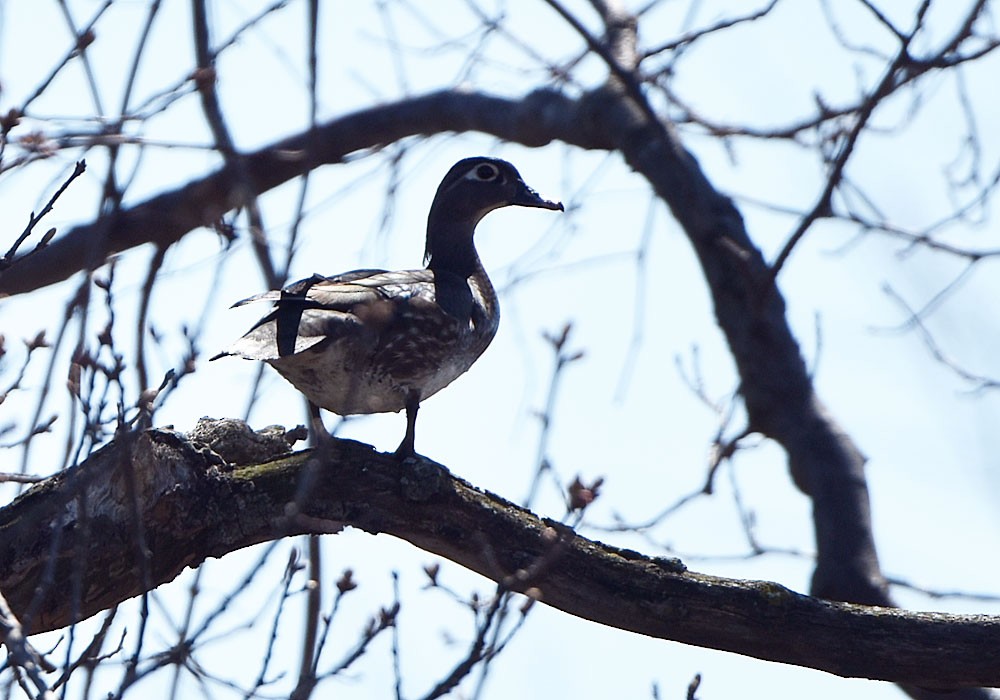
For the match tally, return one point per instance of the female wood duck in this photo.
(372, 341)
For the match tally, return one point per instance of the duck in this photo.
(378, 341)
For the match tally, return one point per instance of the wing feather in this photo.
(316, 309)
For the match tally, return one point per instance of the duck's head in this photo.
(472, 189)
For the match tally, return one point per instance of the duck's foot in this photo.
(406, 452)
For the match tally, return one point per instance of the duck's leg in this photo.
(406, 448)
(317, 431)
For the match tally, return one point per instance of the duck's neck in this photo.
(450, 248)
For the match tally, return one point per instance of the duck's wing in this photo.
(318, 308)
(297, 291)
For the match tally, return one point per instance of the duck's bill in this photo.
(527, 197)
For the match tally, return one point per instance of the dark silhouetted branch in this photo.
(194, 505)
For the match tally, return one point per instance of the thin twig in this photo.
(563, 358)
(22, 654)
(8, 258)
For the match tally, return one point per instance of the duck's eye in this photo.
(486, 172)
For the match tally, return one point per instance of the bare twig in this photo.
(205, 79)
(5, 262)
(904, 68)
(693, 36)
(979, 382)
(563, 357)
(310, 629)
(22, 654)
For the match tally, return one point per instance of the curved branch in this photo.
(534, 120)
(777, 390)
(193, 505)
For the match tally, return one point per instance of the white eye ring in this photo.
(484, 172)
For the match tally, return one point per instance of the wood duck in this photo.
(373, 341)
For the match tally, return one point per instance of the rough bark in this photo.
(149, 504)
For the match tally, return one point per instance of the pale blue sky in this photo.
(931, 444)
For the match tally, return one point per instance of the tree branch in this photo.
(777, 390)
(534, 120)
(195, 504)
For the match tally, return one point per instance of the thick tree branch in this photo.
(777, 390)
(193, 505)
(535, 120)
